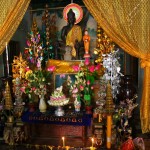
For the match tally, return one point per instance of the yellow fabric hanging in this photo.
(127, 23)
(11, 14)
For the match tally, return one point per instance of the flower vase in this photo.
(77, 104)
(42, 104)
(87, 99)
(88, 109)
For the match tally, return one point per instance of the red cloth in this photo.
(128, 145)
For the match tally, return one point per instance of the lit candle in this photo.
(7, 63)
(92, 147)
(92, 141)
(109, 123)
(67, 147)
(63, 139)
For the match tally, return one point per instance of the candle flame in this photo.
(63, 138)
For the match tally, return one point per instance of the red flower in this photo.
(97, 67)
(26, 51)
(27, 69)
(92, 68)
(81, 87)
(51, 68)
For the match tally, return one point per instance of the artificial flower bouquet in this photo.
(37, 81)
(37, 78)
(82, 87)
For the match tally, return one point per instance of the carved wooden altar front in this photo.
(49, 129)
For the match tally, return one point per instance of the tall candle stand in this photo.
(19, 104)
(109, 107)
(6, 67)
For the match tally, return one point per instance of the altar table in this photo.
(48, 128)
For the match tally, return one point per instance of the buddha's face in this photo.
(71, 19)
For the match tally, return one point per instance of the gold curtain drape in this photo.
(128, 24)
(11, 14)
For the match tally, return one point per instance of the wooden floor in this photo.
(147, 144)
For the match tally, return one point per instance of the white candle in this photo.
(7, 63)
(63, 139)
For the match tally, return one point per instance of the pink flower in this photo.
(92, 68)
(28, 43)
(51, 68)
(75, 90)
(33, 88)
(62, 76)
(74, 95)
(32, 60)
(92, 87)
(76, 68)
(22, 89)
(87, 61)
(88, 82)
(32, 39)
(97, 67)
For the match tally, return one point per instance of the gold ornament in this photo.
(18, 67)
(104, 45)
(8, 98)
(109, 106)
(62, 66)
(34, 27)
(46, 21)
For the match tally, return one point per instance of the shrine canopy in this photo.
(12, 12)
(127, 24)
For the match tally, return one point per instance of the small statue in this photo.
(67, 55)
(39, 63)
(86, 40)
